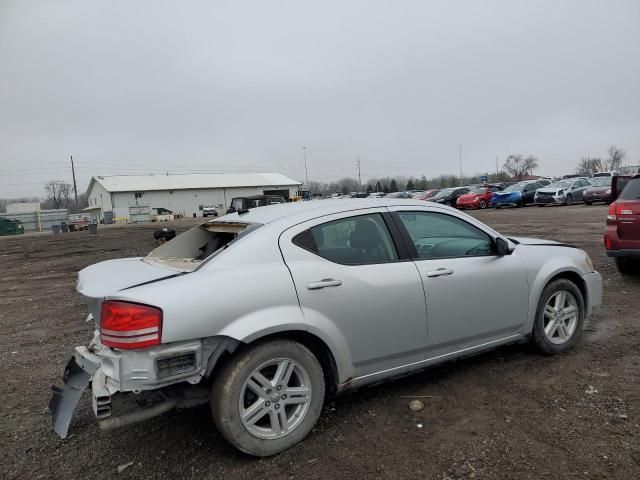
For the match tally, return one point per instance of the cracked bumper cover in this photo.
(112, 371)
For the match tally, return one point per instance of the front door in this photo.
(473, 296)
(353, 285)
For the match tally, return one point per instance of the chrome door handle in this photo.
(440, 272)
(325, 282)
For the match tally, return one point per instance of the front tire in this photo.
(559, 317)
(568, 201)
(268, 397)
(483, 204)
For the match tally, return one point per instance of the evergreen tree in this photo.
(393, 187)
(410, 185)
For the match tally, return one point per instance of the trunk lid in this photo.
(103, 279)
(628, 218)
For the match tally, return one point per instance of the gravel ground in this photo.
(511, 413)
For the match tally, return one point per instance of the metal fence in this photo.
(39, 221)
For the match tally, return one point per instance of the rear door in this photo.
(529, 191)
(473, 296)
(628, 213)
(356, 286)
(578, 189)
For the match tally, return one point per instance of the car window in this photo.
(437, 235)
(358, 240)
(631, 190)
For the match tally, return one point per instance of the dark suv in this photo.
(622, 234)
(238, 204)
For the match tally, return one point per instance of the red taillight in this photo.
(607, 242)
(612, 213)
(129, 325)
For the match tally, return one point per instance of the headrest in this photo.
(365, 235)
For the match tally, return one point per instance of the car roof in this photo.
(317, 208)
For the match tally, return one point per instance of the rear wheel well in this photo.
(574, 278)
(319, 349)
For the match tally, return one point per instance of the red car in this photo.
(478, 197)
(426, 194)
(622, 234)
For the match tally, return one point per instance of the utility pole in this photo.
(460, 164)
(497, 171)
(359, 176)
(75, 188)
(306, 172)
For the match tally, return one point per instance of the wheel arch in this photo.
(574, 278)
(544, 278)
(315, 344)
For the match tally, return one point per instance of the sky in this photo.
(241, 86)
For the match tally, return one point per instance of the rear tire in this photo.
(627, 266)
(559, 317)
(540, 205)
(264, 419)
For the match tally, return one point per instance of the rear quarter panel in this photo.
(245, 293)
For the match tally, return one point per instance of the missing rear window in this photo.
(188, 250)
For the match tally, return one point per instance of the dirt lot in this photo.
(511, 413)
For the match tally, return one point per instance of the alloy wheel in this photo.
(560, 317)
(275, 398)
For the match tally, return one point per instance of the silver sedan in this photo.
(265, 314)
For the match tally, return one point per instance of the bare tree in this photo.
(589, 166)
(57, 193)
(520, 167)
(616, 156)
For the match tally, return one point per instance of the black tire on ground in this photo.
(627, 266)
(227, 388)
(569, 201)
(538, 336)
(520, 204)
(588, 203)
(483, 204)
(540, 205)
(498, 207)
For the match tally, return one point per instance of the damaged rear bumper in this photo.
(173, 370)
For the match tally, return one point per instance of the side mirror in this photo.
(502, 247)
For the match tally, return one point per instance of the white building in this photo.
(23, 207)
(113, 196)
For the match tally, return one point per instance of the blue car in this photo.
(517, 195)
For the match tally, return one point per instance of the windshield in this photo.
(601, 181)
(562, 184)
(479, 190)
(518, 187)
(443, 193)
